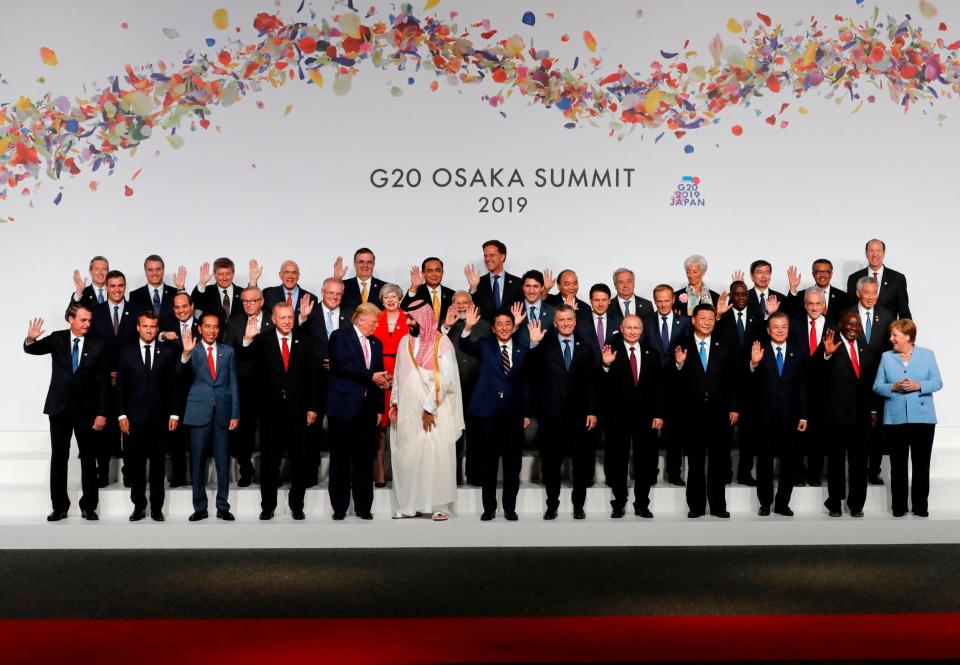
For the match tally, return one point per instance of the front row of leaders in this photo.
(525, 372)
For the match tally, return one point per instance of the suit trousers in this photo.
(846, 445)
(146, 442)
(622, 436)
(500, 438)
(62, 427)
(557, 436)
(772, 440)
(915, 440)
(288, 434)
(353, 445)
(204, 441)
(706, 440)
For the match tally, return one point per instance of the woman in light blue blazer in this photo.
(907, 378)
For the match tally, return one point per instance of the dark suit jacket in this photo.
(283, 394)
(779, 398)
(101, 327)
(351, 388)
(211, 300)
(839, 301)
(626, 404)
(89, 297)
(712, 391)
(148, 398)
(846, 399)
(274, 295)
(511, 291)
(754, 328)
(247, 372)
(497, 395)
(468, 365)
(351, 292)
(209, 400)
(557, 392)
(87, 392)
(653, 340)
(753, 304)
(879, 330)
(584, 311)
(423, 293)
(681, 307)
(545, 315)
(800, 332)
(586, 331)
(141, 300)
(893, 292)
(316, 327)
(641, 307)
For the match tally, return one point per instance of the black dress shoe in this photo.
(875, 480)
(723, 514)
(786, 512)
(617, 513)
(266, 515)
(339, 516)
(57, 515)
(298, 515)
(225, 515)
(157, 516)
(921, 513)
(198, 515)
(244, 481)
(749, 481)
(579, 515)
(694, 514)
(365, 516)
(899, 513)
(676, 481)
(102, 482)
(138, 514)
(859, 513)
(643, 512)
(764, 511)
(799, 483)
(836, 513)
(487, 516)
(380, 485)
(550, 514)
(89, 515)
(814, 482)
(511, 515)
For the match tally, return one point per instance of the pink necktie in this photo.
(366, 351)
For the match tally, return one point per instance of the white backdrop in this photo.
(272, 187)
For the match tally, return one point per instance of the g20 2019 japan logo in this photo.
(688, 193)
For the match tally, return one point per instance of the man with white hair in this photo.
(288, 292)
(627, 302)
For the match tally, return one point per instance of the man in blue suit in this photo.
(779, 391)
(500, 405)
(213, 409)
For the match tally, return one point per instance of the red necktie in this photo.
(285, 352)
(853, 359)
(289, 300)
(213, 367)
(633, 366)
(813, 337)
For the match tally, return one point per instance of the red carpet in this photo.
(480, 640)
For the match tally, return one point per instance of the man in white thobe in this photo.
(426, 413)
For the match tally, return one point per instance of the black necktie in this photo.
(226, 303)
(740, 329)
(146, 357)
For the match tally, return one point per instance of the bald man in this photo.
(288, 292)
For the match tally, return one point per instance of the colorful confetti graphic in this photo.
(846, 59)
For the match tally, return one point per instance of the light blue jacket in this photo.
(916, 407)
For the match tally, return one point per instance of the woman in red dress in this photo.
(391, 328)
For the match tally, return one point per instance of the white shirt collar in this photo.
(288, 336)
(697, 340)
(208, 346)
(152, 345)
(782, 346)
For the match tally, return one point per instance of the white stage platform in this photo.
(24, 503)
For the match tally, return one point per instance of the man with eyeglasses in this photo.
(835, 300)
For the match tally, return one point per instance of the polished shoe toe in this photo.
(786, 512)
(266, 515)
(339, 516)
(550, 514)
(859, 513)
(487, 516)
(836, 513)
(723, 514)
(511, 515)
(298, 515)
(365, 516)
(225, 515)
(198, 515)
(617, 513)
(694, 514)
(643, 512)
(921, 513)
(764, 511)
(57, 515)
(579, 515)
(89, 515)
(157, 516)
(899, 513)
(138, 514)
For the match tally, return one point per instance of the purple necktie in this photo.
(600, 336)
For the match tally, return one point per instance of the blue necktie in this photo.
(740, 330)
(156, 301)
(703, 355)
(779, 361)
(626, 308)
(100, 295)
(665, 334)
(496, 291)
(866, 331)
(329, 323)
(567, 354)
(75, 356)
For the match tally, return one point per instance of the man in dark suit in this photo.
(875, 325)
(178, 442)
(626, 301)
(94, 293)
(847, 371)
(224, 299)
(597, 323)
(632, 389)
(778, 388)
(763, 300)
(148, 410)
(563, 385)
(498, 289)
(469, 446)
(242, 441)
(568, 285)
(426, 284)
(662, 331)
(499, 407)
(354, 405)
(534, 309)
(364, 287)
(892, 285)
(321, 322)
(704, 385)
(213, 409)
(286, 389)
(155, 295)
(114, 322)
(288, 292)
(835, 300)
(77, 404)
